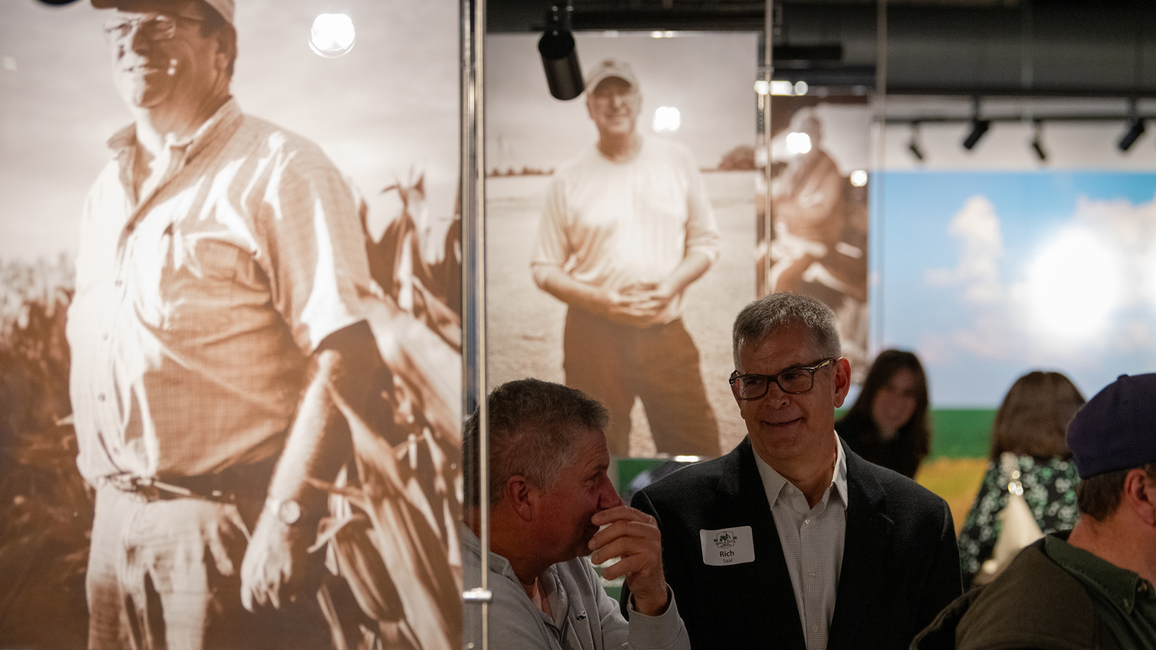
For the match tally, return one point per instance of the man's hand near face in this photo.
(633, 536)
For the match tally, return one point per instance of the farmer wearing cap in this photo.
(215, 332)
(627, 228)
(1092, 587)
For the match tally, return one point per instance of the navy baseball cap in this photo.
(1116, 429)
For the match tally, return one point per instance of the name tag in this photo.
(727, 546)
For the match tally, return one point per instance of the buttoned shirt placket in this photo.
(177, 154)
(812, 540)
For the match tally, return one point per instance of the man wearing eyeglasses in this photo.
(216, 327)
(627, 228)
(791, 540)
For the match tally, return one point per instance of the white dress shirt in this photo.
(812, 540)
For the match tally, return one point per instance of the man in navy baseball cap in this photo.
(1092, 587)
(1116, 430)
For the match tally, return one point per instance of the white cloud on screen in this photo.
(977, 227)
(1089, 287)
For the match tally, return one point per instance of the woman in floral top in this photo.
(1032, 423)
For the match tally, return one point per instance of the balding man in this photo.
(627, 228)
(551, 504)
(792, 540)
(216, 327)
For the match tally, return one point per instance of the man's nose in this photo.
(137, 38)
(775, 396)
(609, 497)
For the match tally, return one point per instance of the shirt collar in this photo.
(549, 582)
(773, 482)
(125, 139)
(473, 546)
(1120, 586)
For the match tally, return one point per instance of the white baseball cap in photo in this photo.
(611, 68)
(223, 7)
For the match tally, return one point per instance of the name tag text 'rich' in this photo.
(727, 546)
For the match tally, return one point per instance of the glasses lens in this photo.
(752, 387)
(157, 28)
(118, 29)
(160, 28)
(795, 381)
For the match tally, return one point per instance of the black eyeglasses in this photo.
(792, 380)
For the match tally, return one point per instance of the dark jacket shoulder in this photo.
(1034, 603)
(715, 490)
(902, 492)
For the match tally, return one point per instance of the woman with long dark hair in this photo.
(1032, 423)
(888, 424)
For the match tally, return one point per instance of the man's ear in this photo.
(226, 38)
(842, 380)
(520, 493)
(1140, 495)
(735, 392)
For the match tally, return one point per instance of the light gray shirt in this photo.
(584, 617)
(812, 540)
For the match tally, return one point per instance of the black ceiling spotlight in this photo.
(1135, 126)
(913, 145)
(57, 3)
(560, 56)
(978, 126)
(1037, 143)
(1135, 130)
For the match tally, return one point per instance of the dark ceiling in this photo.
(978, 47)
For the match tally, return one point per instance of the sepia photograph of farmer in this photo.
(819, 240)
(226, 378)
(628, 226)
(619, 225)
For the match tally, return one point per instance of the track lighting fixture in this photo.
(560, 55)
(1135, 130)
(913, 146)
(1037, 143)
(1135, 123)
(1135, 126)
(978, 126)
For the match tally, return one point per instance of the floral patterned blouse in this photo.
(1050, 492)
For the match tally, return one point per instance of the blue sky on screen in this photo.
(988, 275)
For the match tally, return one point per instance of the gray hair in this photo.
(772, 313)
(533, 427)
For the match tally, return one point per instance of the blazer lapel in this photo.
(868, 536)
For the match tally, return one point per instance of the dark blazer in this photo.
(900, 560)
